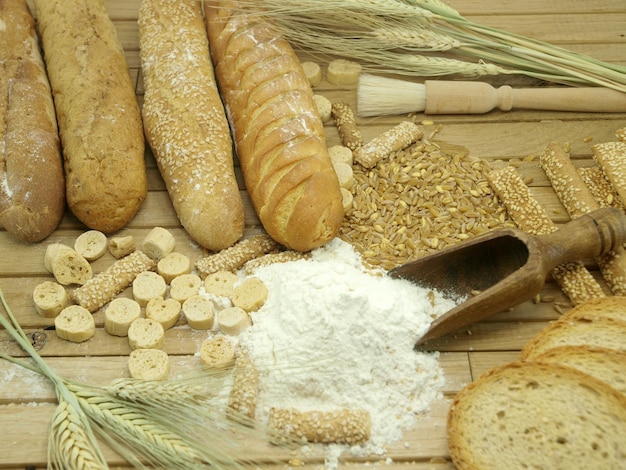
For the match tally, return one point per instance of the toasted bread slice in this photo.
(535, 415)
(604, 307)
(604, 364)
(600, 332)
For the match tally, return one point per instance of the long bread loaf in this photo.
(278, 133)
(185, 122)
(32, 185)
(98, 115)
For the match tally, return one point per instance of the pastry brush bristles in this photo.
(379, 96)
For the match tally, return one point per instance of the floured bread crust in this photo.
(98, 114)
(32, 185)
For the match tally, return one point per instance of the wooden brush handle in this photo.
(464, 97)
(585, 237)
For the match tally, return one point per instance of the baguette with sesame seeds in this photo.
(97, 111)
(185, 122)
(277, 129)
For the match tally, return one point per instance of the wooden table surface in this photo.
(593, 27)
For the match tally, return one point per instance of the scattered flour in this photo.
(334, 335)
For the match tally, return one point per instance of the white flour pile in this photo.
(336, 336)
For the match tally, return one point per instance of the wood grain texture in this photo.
(592, 27)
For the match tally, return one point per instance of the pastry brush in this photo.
(378, 96)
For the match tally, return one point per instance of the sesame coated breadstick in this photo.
(346, 125)
(243, 394)
(237, 255)
(103, 287)
(396, 138)
(603, 192)
(273, 258)
(611, 156)
(574, 279)
(341, 426)
(578, 200)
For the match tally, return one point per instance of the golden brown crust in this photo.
(278, 133)
(98, 114)
(193, 149)
(32, 185)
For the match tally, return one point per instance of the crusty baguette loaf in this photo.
(533, 415)
(607, 365)
(278, 133)
(185, 122)
(98, 114)
(32, 184)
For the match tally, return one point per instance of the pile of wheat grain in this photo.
(421, 199)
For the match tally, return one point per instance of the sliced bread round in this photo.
(600, 332)
(604, 364)
(603, 307)
(533, 415)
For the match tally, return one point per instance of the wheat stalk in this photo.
(136, 430)
(176, 429)
(70, 444)
(387, 36)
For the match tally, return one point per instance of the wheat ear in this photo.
(70, 446)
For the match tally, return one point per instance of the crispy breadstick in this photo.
(341, 426)
(611, 156)
(578, 200)
(103, 287)
(273, 258)
(243, 394)
(346, 125)
(396, 138)
(600, 187)
(237, 255)
(574, 279)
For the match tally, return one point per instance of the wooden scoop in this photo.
(508, 266)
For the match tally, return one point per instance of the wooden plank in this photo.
(481, 362)
(22, 386)
(27, 441)
(487, 336)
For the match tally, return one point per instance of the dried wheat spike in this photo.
(341, 426)
(103, 287)
(345, 121)
(237, 255)
(575, 280)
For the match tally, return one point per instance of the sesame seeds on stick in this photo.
(575, 280)
(579, 200)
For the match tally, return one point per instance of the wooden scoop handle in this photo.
(465, 97)
(585, 237)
